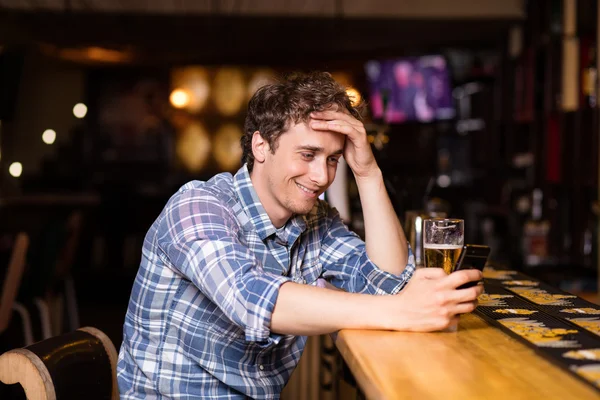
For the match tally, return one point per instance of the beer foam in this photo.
(442, 246)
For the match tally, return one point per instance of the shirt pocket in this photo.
(311, 271)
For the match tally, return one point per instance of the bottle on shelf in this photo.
(536, 232)
(589, 79)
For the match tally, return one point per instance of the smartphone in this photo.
(472, 256)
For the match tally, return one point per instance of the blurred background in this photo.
(486, 109)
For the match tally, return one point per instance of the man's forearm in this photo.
(429, 302)
(309, 310)
(386, 243)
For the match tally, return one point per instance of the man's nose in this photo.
(319, 173)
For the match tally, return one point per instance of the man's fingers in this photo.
(336, 126)
(464, 308)
(336, 115)
(466, 295)
(458, 278)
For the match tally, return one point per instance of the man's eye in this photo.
(334, 160)
(308, 156)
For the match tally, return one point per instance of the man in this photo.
(228, 288)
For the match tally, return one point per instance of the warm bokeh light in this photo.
(259, 79)
(194, 81)
(79, 110)
(227, 147)
(444, 181)
(229, 90)
(179, 98)
(49, 136)
(193, 147)
(354, 96)
(343, 78)
(15, 169)
(90, 54)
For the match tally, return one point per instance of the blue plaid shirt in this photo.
(198, 321)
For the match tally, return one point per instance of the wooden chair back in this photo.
(12, 278)
(77, 365)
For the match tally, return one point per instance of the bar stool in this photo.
(76, 365)
(10, 288)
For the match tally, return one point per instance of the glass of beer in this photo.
(443, 240)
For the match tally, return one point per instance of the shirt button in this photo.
(261, 367)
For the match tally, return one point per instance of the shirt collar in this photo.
(257, 213)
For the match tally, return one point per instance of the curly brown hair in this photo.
(274, 107)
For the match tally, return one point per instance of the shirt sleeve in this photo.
(199, 238)
(347, 266)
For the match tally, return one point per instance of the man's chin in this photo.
(304, 209)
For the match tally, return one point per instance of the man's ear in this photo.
(260, 147)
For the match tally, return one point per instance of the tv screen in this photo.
(410, 89)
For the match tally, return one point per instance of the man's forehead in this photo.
(301, 134)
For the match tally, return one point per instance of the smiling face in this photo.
(289, 180)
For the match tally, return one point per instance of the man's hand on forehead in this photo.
(357, 150)
(335, 118)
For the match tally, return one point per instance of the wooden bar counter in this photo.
(476, 362)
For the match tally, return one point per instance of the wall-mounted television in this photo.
(410, 89)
